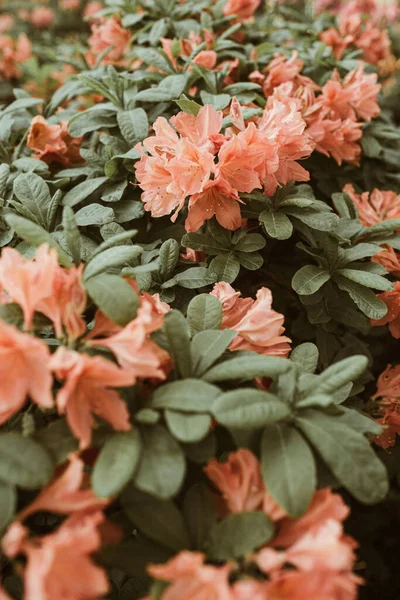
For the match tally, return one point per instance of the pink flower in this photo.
(218, 198)
(191, 578)
(280, 70)
(388, 397)
(338, 139)
(132, 346)
(6, 22)
(91, 9)
(52, 143)
(241, 484)
(42, 17)
(69, 4)
(259, 328)
(355, 97)
(88, 390)
(24, 371)
(66, 303)
(389, 259)
(28, 282)
(375, 207)
(243, 9)
(301, 585)
(109, 33)
(42, 285)
(284, 125)
(392, 317)
(324, 506)
(68, 492)
(375, 43)
(59, 565)
(13, 53)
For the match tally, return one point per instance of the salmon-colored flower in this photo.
(375, 44)
(191, 578)
(388, 397)
(42, 17)
(6, 22)
(66, 303)
(301, 585)
(218, 198)
(88, 391)
(392, 317)
(241, 484)
(132, 346)
(376, 206)
(280, 70)
(24, 371)
(91, 8)
(52, 143)
(389, 259)
(355, 97)
(259, 327)
(242, 9)
(69, 4)
(107, 34)
(68, 492)
(13, 53)
(28, 282)
(324, 506)
(338, 139)
(59, 565)
(284, 125)
(42, 285)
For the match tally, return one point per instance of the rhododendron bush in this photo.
(199, 299)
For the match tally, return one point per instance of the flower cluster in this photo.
(181, 161)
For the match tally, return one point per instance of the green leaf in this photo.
(188, 106)
(169, 256)
(322, 221)
(339, 374)
(162, 466)
(309, 279)
(226, 267)
(110, 258)
(33, 192)
(93, 119)
(200, 513)
(192, 278)
(133, 124)
(368, 279)
(288, 468)
(72, 235)
(178, 335)
(246, 408)
(82, 191)
(24, 462)
(363, 297)
(114, 296)
(251, 260)
(188, 395)
(8, 504)
(36, 235)
(359, 251)
(154, 58)
(94, 214)
(57, 439)
(116, 463)
(276, 224)
(188, 428)
(306, 356)
(247, 367)
(159, 520)
(239, 534)
(348, 454)
(250, 243)
(204, 313)
(207, 347)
